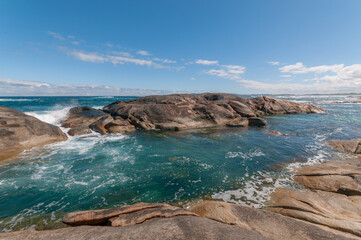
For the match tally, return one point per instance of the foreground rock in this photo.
(268, 224)
(124, 216)
(339, 177)
(182, 111)
(181, 227)
(350, 146)
(334, 210)
(19, 132)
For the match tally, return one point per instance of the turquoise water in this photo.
(242, 165)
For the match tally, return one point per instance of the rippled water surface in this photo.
(241, 165)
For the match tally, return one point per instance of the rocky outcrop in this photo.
(183, 111)
(339, 177)
(350, 146)
(124, 216)
(19, 132)
(176, 228)
(334, 210)
(268, 224)
(81, 120)
(219, 220)
(333, 197)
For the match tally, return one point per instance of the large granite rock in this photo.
(340, 177)
(330, 209)
(268, 224)
(176, 228)
(81, 120)
(183, 111)
(125, 215)
(19, 131)
(350, 146)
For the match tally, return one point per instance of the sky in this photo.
(142, 47)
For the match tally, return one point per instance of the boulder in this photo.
(176, 228)
(330, 209)
(19, 131)
(257, 122)
(350, 146)
(340, 177)
(125, 215)
(268, 224)
(81, 130)
(82, 120)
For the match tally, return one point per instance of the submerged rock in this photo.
(183, 111)
(19, 132)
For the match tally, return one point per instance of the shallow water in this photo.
(241, 165)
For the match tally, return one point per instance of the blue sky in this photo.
(104, 47)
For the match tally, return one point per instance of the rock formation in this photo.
(19, 131)
(219, 220)
(333, 194)
(181, 111)
(349, 146)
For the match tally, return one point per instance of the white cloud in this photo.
(124, 54)
(206, 62)
(75, 42)
(12, 87)
(193, 78)
(143, 53)
(88, 57)
(299, 68)
(109, 44)
(56, 35)
(274, 63)
(164, 60)
(232, 72)
(286, 76)
(336, 78)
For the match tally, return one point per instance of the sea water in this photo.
(240, 165)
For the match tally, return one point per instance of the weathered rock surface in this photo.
(124, 216)
(268, 224)
(340, 177)
(350, 146)
(180, 227)
(81, 120)
(183, 111)
(334, 210)
(19, 131)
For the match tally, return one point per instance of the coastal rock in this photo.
(82, 120)
(268, 224)
(81, 130)
(330, 209)
(19, 131)
(340, 177)
(176, 228)
(182, 111)
(274, 132)
(124, 216)
(350, 146)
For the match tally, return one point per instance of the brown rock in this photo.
(99, 217)
(176, 228)
(182, 111)
(325, 208)
(350, 146)
(340, 177)
(19, 131)
(138, 217)
(268, 224)
(81, 130)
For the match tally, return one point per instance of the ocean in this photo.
(240, 165)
